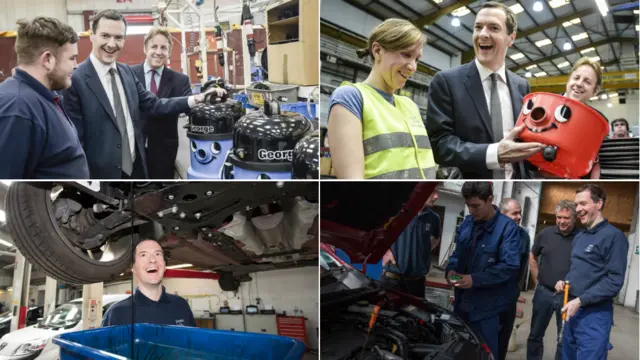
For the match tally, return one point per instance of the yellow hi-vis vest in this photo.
(396, 145)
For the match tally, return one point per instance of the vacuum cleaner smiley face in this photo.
(538, 118)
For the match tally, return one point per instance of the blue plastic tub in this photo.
(300, 108)
(174, 343)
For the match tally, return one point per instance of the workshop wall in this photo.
(628, 111)
(294, 291)
(121, 287)
(12, 10)
(454, 205)
(361, 23)
(629, 293)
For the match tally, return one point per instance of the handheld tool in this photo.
(564, 314)
(372, 322)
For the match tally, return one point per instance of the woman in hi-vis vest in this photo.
(373, 133)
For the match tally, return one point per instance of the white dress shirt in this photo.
(147, 75)
(508, 121)
(105, 79)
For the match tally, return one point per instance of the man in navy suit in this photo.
(473, 108)
(161, 132)
(105, 102)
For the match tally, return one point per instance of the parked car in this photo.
(364, 220)
(35, 341)
(82, 232)
(34, 313)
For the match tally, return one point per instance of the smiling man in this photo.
(161, 132)
(549, 260)
(151, 302)
(106, 100)
(473, 107)
(598, 266)
(37, 139)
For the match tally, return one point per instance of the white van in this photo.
(34, 342)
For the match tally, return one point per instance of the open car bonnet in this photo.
(365, 218)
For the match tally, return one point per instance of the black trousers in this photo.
(161, 157)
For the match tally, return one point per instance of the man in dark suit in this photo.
(161, 132)
(105, 102)
(472, 112)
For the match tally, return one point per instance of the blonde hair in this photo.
(594, 65)
(393, 35)
(158, 31)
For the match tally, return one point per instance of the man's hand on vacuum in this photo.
(218, 93)
(510, 151)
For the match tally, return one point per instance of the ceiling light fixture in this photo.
(580, 36)
(564, 64)
(603, 7)
(557, 3)
(516, 8)
(517, 56)
(537, 6)
(179, 266)
(461, 11)
(541, 43)
(455, 22)
(527, 74)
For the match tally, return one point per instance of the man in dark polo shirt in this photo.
(409, 259)
(151, 303)
(549, 261)
(511, 208)
(37, 139)
(596, 275)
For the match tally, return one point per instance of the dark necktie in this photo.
(496, 118)
(154, 86)
(127, 160)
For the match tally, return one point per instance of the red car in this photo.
(360, 318)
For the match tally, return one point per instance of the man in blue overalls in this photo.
(485, 263)
(408, 261)
(596, 275)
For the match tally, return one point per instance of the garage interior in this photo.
(538, 200)
(282, 301)
(221, 43)
(552, 35)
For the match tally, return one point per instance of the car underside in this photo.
(83, 232)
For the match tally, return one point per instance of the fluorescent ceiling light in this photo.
(460, 11)
(527, 74)
(572, 22)
(532, 66)
(594, 98)
(6, 243)
(604, 97)
(557, 3)
(179, 266)
(595, 58)
(438, 1)
(613, 95)
(541, 73)
(567, 46)
(517, 56)
(564, 64)
(455, 22)
(516, 8)
(603, 7)
(537, 6)
(587, 50)
(609, 105)
(579, 36)
(541, 43)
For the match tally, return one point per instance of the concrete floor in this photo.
(310, 356)
(624, 334)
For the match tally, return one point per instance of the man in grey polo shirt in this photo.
(552, 249)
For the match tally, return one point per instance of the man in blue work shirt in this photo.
(37, 138)
(487, 261)
(511, 208)
(598, 265)
(408, 261)
(151, 303)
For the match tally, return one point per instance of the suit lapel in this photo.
(93, 81)
(129, 86)
(516, 95)
(476, 92)
(165, 80)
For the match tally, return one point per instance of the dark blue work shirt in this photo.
(37, 139)
(168, 310)
(598, 263)
(412, 250)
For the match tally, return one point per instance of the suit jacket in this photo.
(458, 119)
(172, 84)
(89, 108)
